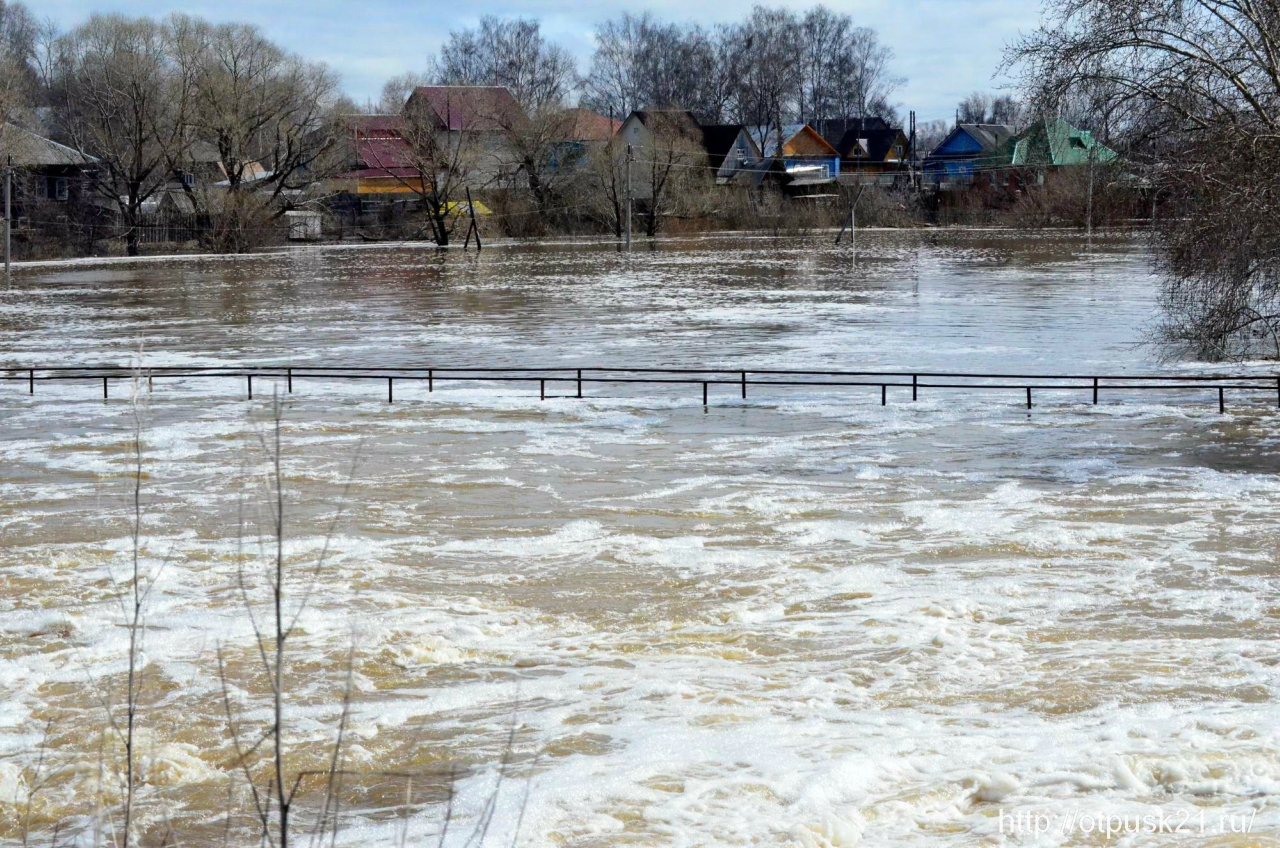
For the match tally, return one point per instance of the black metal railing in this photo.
(1092, 385)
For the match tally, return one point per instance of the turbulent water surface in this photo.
(803, 618)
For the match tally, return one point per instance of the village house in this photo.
(802, 150)
(383, 166)
(1052, 143)
(971, 155)
(671, 136)
(480, 118)
(871, 151)
(577, 132)
(46, 172)
(379, 164)
(729, 150)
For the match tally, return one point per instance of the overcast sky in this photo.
(945, 48)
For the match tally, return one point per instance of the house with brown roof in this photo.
(870, 149)
(382, 151)
(660, 138)
(800, 148)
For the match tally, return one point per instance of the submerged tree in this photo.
(1194, 87)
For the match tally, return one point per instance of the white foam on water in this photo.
(803, 619)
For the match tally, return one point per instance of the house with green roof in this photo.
(1053, 143)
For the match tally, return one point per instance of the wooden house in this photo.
(575, 133)
(47, 172)
(870, 149)
(729, 150)
(798, 146)
(971, 154)
(660, 135)
(1053, 143)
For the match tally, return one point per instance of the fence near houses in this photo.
(575, 382)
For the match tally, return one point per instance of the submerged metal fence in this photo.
(1092, 386)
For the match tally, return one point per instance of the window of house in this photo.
(58, 188)
(42, 188)
(897, 151)
(188, 179)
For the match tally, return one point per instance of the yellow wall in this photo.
(807, 142)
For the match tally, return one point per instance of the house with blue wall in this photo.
(970, 153)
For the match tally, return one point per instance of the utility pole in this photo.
(853, 225)
(1088, 218)
(8, 180)
(629, 156)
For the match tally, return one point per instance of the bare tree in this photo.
(615, 84)
(673, 160)
(20, 77)
(1194, 86)
(981, 107)
(117, 98)
(513, 54)
(769, 43)
(605, 184)
(265, 113)
(434, 163)
(261, 753)
(396, 91)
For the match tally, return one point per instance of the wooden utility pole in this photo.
(8, 180)
(1088, 218)
(474, 228)
(630, 154)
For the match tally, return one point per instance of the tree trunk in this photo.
(131, 235)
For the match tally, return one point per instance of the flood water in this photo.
(800, 619)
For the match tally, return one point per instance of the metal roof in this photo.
(30, 150)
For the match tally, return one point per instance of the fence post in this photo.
(289, 375)
(744, 385)
(704, 393)
(1095, 391)
(1222, 400)
(579, 382)
(431, 380)
(542, 389)
(390, 397)
(250, 377)
(913, 386)
(31, 381)
(104, 388)
(884, 394)
(1028, 397)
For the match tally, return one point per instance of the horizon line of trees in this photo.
(775, 67)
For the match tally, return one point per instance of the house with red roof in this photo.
(384, 159)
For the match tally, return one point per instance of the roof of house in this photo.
(585, 125)
(719, 141)
(682, 118)
(974, 143)
(990, 136)
(31, 150)
(835, 129)
(767, 141)
(469, 108)
(866, 139)
(390, 152)
(373, 126)
(1055, 142)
